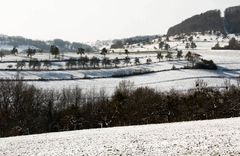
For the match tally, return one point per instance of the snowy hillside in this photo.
(226, 60)
(8, 42)
(161, 76)
(203, 41)
(216, 137)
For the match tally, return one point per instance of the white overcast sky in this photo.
(90, 20)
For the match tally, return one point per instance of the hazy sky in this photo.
(89, 20)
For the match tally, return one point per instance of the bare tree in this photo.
(126, 52)
(127, 60)
(2, 54)
(169, 56)
(106, 61)
(179, 54)
(116, 61)
(47, 64)
(20, 64)
(35, 64)
(31, 52)
(83, 61)
(94, 61)
(159, 56)
(149, 61)
(54, 50)
(167, 47)
(14, 51)
(136, 61)
(81, 51)
(104, 52)
(71, 63)
(161, 44)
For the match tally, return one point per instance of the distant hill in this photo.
(138, 39)
(210, 20)
(119, 43)
(8, 42)
(232, 19)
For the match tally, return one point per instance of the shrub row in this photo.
(25, 109)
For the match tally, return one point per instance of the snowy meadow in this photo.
(213, 137)
(157, 73)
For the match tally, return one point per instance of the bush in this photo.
(205, 64)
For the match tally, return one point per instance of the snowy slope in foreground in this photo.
(216, 137)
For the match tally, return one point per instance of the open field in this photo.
(214, 137)
(157, 74)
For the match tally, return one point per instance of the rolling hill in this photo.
(8, 42)
(210, 20)
(213, 137)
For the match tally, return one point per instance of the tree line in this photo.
(233, 44)
(44, 45)
(84, 62)
(25, 109)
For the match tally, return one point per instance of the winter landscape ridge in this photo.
(173, 94)
(213, 137)
(226, 60)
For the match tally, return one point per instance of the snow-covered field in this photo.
(164, 81)
(213, 137)
(226, 60)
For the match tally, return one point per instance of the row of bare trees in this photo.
(32, 64)
(25, 109)
(95, 62)
(85, 61)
